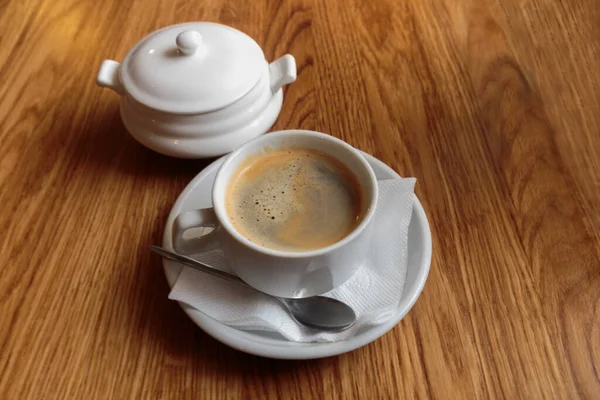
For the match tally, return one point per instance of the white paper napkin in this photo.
(374, 291)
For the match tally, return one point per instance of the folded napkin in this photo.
(374, 292)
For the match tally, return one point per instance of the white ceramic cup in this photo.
(283, 273)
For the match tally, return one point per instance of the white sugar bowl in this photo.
(197, 89)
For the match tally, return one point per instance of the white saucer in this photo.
(197, 194)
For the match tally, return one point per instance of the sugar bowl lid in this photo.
(192, 67)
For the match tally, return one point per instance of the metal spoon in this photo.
(317, 312)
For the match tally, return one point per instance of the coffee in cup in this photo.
(294, 199)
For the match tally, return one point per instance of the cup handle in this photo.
(204, 218)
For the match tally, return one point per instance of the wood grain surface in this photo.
(493, 105)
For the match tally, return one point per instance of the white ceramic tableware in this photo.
(282, 273)
(197, 89)
(269, 344)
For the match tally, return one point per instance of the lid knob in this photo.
(188, 42)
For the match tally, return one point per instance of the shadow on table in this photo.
(166, 328)
(102, 144)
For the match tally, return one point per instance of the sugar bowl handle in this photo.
(108, 76)
(282, 71)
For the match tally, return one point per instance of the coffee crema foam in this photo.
(294, 199)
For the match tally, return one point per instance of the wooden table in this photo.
(493, 105)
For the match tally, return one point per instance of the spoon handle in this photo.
(190, 262)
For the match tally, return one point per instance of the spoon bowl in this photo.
(321, 312)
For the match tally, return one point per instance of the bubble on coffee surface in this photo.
(294, 200)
